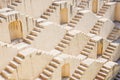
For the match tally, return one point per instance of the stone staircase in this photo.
(103, 10)
(75, 20)
(33, 34)
(50, 11)
(109, 51)
(64, 42)
(114, 34)
(12, 66)
(14, 4)
(79, 71)
(102, 74)
(96, 29)
(49, 69)
(117, 76)
(83, 4)
(88, 48)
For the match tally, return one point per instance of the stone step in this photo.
(5, 74)
(106, 57)
(35, 33)
(91, 43)
(59, 48)
(37, 29)
(75, 19)
(73, 78)
(62, 45)
(65, 41)
(13, 64)
(52, 7)
(54, 64)
(56, 60)
(46, 72)
(50, 68)
(44, 16)
(44, 77)
(79, 71)
(18, 59)
(50, 10)
(9, 69)
(29, 41)
(69, 38)
(74, 22)
(102, 74)
(31, 37)
(104, 70)
(99, 77)
(76, 75)
(85, 53)
(71, 24)
(81, 67)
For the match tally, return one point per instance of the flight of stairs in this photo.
(102, 74)
(114, 34)
(109, 51)
(75, 20)
(79, 72)
(64, 42)
(14, 4)
(11, 67)
(49, 69)
(117, 76)
(33, 34)
(83, 4)
(50, 11)
(88, 48)
(96, 29)
(103, 10)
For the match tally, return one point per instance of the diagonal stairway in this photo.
(52, 8)
(114, 34)
(103, 10)
(79, 72)
(102, 74)
(96, 28)
(17, 60)
(83, 4)
(64, 42)
(33, 34)
(49, 69)
(75, 20)
(88, 48)
(109, 51)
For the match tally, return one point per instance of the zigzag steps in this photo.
(75, 20)
(48, 71)
(108, 52)
(87, 49)
(64, 42)
(79, 72)
(52, 8)
(102, 73)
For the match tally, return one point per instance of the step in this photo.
(71, 24)
(87, 50)
(82, 67)
(44, 16)
(106, 57)
(56, 60)
(65, 41)
(13, 64)
(18, 59)
(76, 75)
(59, 48)
(34, 33)
(85, 53)
(78, 16)
(75, 19)
(73, 78)
(9, 69)
(89, 47)
(68, 38)
(54, 64)
(44, 77)
(50, 10)
(31, 37)
(100, 77)
(111, 48)
(108, 54)
(47, 13)
(37, 29)
(62, 45)
(52, 7)
(102, 74)
(46, 72)
(28, 41)
(50, 68)
(93, 32)
(79, 71)
(109, 51)
(104, 70)
(74, 22)
(5, 74)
